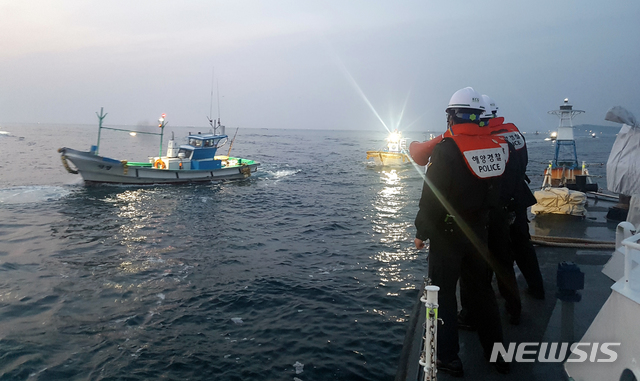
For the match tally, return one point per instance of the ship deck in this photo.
(548, 320)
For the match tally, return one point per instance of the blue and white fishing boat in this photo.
(196, 161)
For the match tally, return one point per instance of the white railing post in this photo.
(631, 252)
(429, 356)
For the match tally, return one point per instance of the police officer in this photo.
(521, 247)
(462, 184)
(500, 217)
(499, 241)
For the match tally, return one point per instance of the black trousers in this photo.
(524, 253)
(501, 263)
(452, 256)
(501, 250)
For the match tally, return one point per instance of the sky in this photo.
(338, 65)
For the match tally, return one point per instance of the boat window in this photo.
(209, 143)
(195, 142)
(220, 142)
(187, 153)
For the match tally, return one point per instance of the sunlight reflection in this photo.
(135, 215)
(392, 224)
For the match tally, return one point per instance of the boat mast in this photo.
(161, 125)
(101, 116)
(218, 95)
(209, 118)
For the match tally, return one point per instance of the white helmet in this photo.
(466, 98)
(492, 107)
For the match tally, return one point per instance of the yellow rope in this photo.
(66, 165)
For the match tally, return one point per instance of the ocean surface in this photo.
(305, 271)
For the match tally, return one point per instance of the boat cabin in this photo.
(201, 150)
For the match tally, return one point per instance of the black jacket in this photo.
(449, 179)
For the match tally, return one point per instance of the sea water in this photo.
(304, 271)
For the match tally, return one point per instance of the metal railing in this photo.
(631, 255)
(428, 359)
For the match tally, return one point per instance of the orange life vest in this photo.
(496, 121)
(510, 133)
(486, 155)
(420, 152)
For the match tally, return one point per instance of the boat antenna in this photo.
(218, 95)
(209, 118)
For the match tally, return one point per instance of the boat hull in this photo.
(96, 169)
(560, 176)
(382, 158)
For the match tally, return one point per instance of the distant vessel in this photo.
(195, 161)
(553, 135)
(393, 154)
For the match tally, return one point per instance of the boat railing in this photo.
(430, 339)
(629, 285)
(624, 230)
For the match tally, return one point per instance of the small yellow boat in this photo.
(393, 155)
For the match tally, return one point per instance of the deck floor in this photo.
(549, 320)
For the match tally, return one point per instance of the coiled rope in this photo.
(66, 164)
(579, 243)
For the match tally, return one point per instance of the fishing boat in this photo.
(393, 154)
(196, 161)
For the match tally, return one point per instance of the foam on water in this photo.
(280, 173)
(299, 367)
(32, 194)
